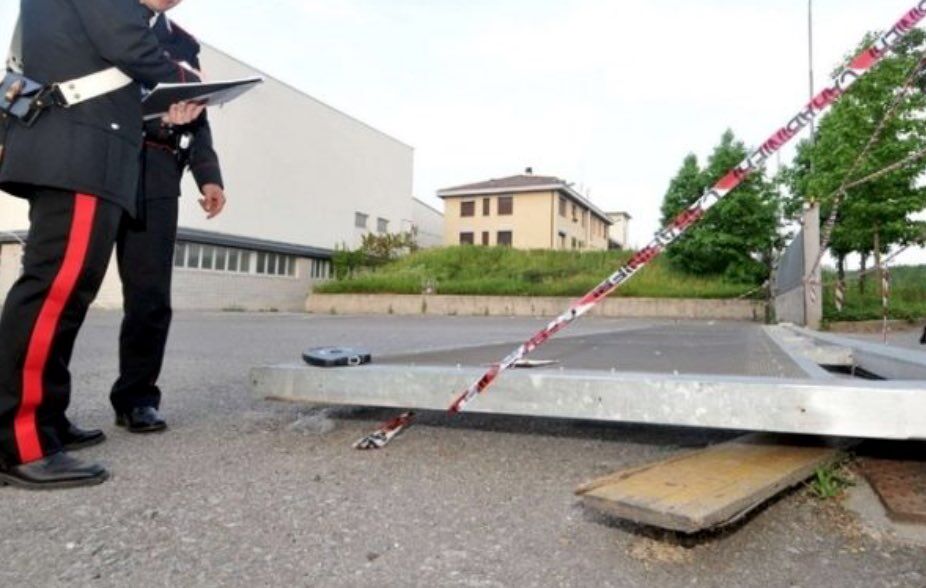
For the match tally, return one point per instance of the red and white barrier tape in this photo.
(858, 67)
(386, 433)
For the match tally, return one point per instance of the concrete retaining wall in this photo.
(524, 306)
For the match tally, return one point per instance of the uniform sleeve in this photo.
(204, 161)
(118, 30)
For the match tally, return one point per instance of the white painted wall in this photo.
(14, 213)
(296, 170)
(430, 224)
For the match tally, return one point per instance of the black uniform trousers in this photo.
(67, 251)
(145, 251)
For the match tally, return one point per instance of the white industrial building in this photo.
(302, 179)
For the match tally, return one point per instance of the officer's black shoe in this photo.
(74, 438)
(55, 471)
(141, 419)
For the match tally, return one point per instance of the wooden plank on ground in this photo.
(708, 488)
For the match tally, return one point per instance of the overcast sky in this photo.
(610, 95)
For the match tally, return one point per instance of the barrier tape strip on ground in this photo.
(857, 68)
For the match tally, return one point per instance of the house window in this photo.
(485, 238)
(382, 225)
(486, 206)
(575, 213)
(466, 238)
(505, 205)
(573, 242)
(584, 218)
(562, 240)
(360, 220)
(562, 206)
(468, 208)
(504, 238)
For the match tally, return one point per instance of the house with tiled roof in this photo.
(525, 211)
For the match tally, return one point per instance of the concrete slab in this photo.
(842, 408)
(721, 348)
(892, 363)
(662, 374)
(875, 522)
(897, 473)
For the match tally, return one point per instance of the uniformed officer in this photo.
(145, 247)
(79, 168)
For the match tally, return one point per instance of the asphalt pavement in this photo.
(243, 492)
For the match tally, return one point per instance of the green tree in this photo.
(738, 236)
(686, 187)
(878, 211)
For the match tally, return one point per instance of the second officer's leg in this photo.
(145, 251)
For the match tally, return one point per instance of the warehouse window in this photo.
(486, 206)
(321, 269)
(468, 208)
(180, 255)
(221, 254)
(206, 261)
(466, 238)
(504, 238)
(485, 238)
(193, 254)
(505, 205)
(360, 220)
(230, 259)
(382, 225)
(562, 206)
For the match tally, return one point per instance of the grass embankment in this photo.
(509, 272)
(907, 301)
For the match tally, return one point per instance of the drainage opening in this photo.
(853, 371)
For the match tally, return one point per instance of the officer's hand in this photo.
(183, 113)
(213, 200)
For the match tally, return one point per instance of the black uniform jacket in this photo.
(93, 147)
(163, 168)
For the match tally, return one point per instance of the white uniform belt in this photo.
(93, 86)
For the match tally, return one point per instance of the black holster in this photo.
(25, 100)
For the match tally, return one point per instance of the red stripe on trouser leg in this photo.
(43, 333)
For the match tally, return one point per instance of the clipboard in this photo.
(157, 102)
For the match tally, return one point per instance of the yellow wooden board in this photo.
(708, 488)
